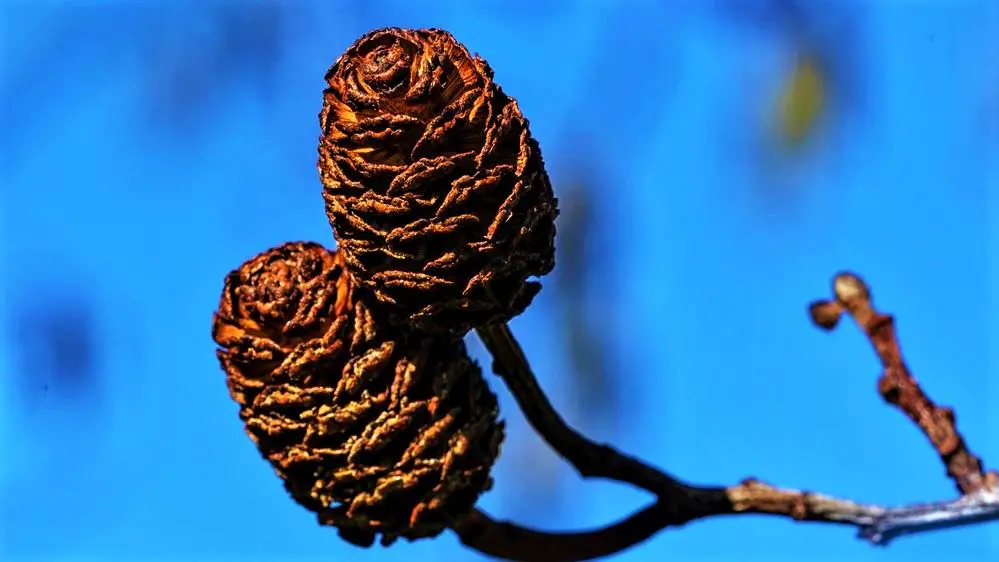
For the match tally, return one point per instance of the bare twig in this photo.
(679, 503)
(972, 509)
(897, 385)
(876, 524)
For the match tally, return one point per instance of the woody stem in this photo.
(592, 460)
(876, 524)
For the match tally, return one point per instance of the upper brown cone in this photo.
(377, 431)
(434, 186)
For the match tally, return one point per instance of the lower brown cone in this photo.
(379, 432)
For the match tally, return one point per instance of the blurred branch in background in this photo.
(585, 294)
(594, 396)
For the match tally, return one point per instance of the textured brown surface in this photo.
(434, 187)
(378, 432)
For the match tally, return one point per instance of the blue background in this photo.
(147, 149)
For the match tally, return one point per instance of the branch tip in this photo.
(851, 290)
(826, 314)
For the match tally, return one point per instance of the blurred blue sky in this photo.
(150, 147)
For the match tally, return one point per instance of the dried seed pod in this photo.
(434, 186)
(378, 431)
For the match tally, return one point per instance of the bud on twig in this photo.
(434, 187)
(378, 432)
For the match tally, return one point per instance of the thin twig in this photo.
(876, 524)
(679, 503)
(897, 385)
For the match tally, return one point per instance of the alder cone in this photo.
(435, 189)
(379, 432)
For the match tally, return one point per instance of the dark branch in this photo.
(592, 460)
(512, 542)
(876, 524)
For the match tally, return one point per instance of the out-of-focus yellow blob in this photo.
(801, 101)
